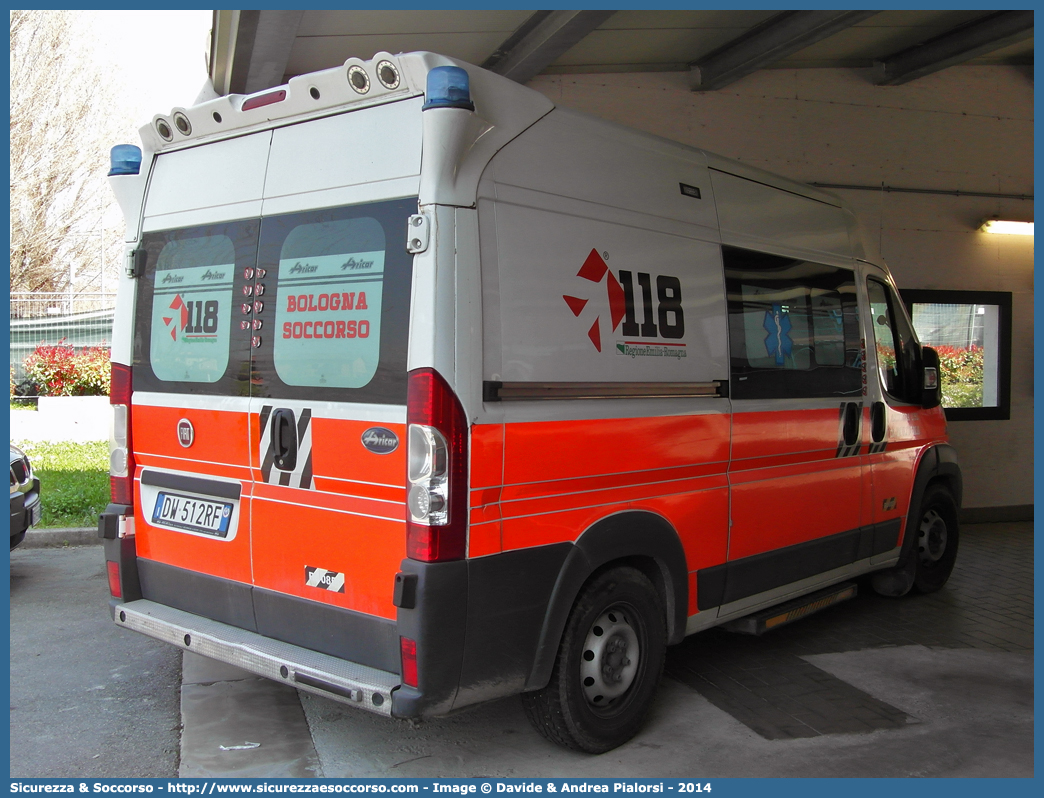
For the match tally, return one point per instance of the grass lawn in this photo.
(74, 481)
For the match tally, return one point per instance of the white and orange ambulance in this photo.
(427, 392)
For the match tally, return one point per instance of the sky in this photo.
(158, 58)
(157, 61)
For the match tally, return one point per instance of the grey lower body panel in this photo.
(716, 616)
(347, 682)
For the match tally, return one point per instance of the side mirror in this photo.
(931, 386)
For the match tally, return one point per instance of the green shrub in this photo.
(962, 375)
(60, 370)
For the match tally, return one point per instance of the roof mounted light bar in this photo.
(355, 83)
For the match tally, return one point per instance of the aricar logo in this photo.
(664, 320)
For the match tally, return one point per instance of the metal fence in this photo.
(40, 318)
(959, 326)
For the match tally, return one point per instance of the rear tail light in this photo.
(113, 569)
(408, 649)
(437, 499)
(121, 459)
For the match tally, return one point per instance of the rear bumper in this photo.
(346, 682)
(25, 512)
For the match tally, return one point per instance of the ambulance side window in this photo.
(793, 327)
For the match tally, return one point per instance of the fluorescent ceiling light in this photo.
(1004, 228)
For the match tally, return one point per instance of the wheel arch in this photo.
(938, 465)
(641, 539)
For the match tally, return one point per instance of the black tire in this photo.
(937, 535)
(599, 691)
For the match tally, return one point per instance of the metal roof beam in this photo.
(251, 49)
(774, 39)
(221, 44)
(541, 40)
(954, 47)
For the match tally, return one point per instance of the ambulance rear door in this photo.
(327, 314)
(190, 375)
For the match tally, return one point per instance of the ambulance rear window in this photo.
(192, 303)
(328, 317)
(333, 323)
(186, 337)
(311, 306)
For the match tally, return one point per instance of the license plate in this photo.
(195, 515)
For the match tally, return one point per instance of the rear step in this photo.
(782, 614)
(343, 681)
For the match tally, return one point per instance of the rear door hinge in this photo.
(139, 258)
(417, 232)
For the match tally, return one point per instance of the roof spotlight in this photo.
(358, 79)
(182, 123)
(388, 75)
(163, 128)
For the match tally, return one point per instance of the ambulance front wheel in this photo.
(935, 546)
(608, 665)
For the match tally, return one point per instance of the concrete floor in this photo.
(938, 686)
(87, 700)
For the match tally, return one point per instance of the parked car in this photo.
(25, 496)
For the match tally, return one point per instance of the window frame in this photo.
(1002, 300)
(908, 355)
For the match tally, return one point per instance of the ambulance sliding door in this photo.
(797, 470)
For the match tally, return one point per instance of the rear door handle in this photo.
(284, 439)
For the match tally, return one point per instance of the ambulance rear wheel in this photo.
(608, 665)
(935, 544)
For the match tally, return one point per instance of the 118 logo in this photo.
(662, 313)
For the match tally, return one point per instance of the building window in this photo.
(971, 331)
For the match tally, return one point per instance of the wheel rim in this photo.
(931, 542)
(610, 658)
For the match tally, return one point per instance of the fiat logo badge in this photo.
(186, 434)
